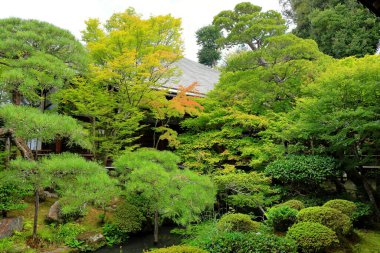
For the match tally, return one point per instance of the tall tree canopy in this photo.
(248, 25)
(36, 57)
(340, 27)
(209, 53)
(253, 86)
(131, 61)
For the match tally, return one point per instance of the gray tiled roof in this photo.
(195, 72)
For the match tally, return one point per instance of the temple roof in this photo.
(193, 71)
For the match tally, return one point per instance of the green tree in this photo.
(248, 25)
(340, 27)
(246, 190)
(76, 180)
(255, 86)
(35, 58)
(131, 61)
(209, 54)
(25, 123)
(339, 116)
(179, 195)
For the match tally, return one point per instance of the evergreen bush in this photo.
(345, 206)
(281, 218)
(237, 222)
(330, 217)
(312, 237)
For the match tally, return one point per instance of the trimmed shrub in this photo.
(235, 242)
(281, 218)
(237, 222)
(128, 218)
(310, 170)
(179, 249)
(312, 237)
(293, 203)
(345, 206)
(330, 217)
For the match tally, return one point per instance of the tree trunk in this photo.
(155, 227)
(8, 150)
(36, 207)
(371, 196)
(16, 97)
(4, 213)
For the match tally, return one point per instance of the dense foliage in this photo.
(330, 217)
(345, 206)
(178, 249)
(340, 27)
(312, 237)
(237, 222)
(281, 218)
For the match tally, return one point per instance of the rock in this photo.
(50, 195)
(92, 240)
(54, 211)
(9, 225)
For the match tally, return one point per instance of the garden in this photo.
(98, 154)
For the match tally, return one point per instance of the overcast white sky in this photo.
(71, 14)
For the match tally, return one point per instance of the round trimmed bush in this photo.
(282, 217)
(345, 206)
(293, 203)
(330, 217)
(237, 222)
(128, 218)
(179, 249)
(312, 237)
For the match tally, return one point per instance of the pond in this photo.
(145, 242)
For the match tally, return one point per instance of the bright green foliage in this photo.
(180, 195)
(36, 57)
(230, 129)
(248, 25)
(293, 203)
(241, 189)
(179, 249)
(345, 206)
(237, 222)
(79, 181)
(312, 237)
(330, 217)
(30, 123)
(209, 54)
(12, 191)
(281, 218)
(340, 27)
(132, 60)
(249, 242)
(76, 180)
(128, 218)
(342, 109)
(302, 170)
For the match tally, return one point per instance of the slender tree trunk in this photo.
(36, 209)
(4, 213)
(16, 97)
(371, 196)
(155, 227)
(8, 150)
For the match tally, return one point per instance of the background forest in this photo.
(281, 156)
